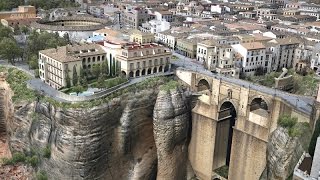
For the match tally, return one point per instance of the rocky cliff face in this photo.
(171, 122)
(111, 141)
(283, 153)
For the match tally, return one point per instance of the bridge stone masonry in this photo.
(232, 121)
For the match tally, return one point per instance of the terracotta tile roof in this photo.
(286, 41)
(71, 53)
(253, 45)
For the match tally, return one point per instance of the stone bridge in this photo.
(232, 121)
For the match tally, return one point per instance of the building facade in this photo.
(22, 12)
(57, 65)
(139, 60)
(254, 58)
(141, 37)
(134, 17)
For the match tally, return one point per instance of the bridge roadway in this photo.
(303, 103)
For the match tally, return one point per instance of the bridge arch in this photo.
(227, 116)
(203, 85)
(259, 111)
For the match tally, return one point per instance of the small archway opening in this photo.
(203, 85)
(137, 73)
(124, 74)
(227, 116)
(131, 74)
(166, 68)
(154, 70)
(149, 71)
(143, 72)
(160, 69)
(258, 103)
(259, 112)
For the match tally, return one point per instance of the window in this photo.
(93, 59)
(131, 66)
(98, 58)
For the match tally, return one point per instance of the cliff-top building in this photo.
(56, 64)
(139, 60)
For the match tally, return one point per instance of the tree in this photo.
(96, 70)
(9, 50)
(5, 32)
(101, 82)
(78, 89)
(75, 78)
(83, 81)
(105, 68)
(113, 69)
(82, 73)
(24, 29)
(36, 73)
(16, 30)
(33, 62)
(66, 37)
(68, 80)
(10, 4)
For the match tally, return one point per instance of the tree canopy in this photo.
(44, 4)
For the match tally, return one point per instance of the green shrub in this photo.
(223, 171)
(7, 161)
(295, 131)
(18, 83)
(169, 85)
(286, 121)
(18, 157)
(42, 175)
(46, 152)
(33, 161)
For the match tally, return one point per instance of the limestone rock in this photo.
(283, 153)
(170, 122)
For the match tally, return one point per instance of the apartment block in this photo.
(134, 17)
(254, 58)
(283, 52)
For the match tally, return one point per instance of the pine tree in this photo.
(75, 78)
(68, 80)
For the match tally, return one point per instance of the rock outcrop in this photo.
(171, 120)
(110, 141)
(283, 153)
